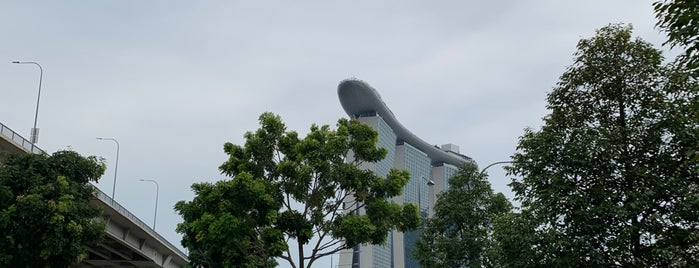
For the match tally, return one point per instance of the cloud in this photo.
(174, 80)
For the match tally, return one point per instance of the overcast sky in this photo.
(174, 80)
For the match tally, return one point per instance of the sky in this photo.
(173, 81)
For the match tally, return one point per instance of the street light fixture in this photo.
(492, 164)
(116, 166)
(34, 135)
(157, 190)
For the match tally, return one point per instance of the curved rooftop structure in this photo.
(357, 98)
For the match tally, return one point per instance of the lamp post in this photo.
(157, 190)
(116, 165)
(34, 135)
(488, 166)
(492, 164)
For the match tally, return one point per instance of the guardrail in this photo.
(108, 200)
(21, 141)
(30, 147)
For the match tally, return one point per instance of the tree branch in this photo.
(288, 259)
(331, 243)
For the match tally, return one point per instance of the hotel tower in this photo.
(430, 167)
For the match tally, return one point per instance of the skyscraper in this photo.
(430, 168)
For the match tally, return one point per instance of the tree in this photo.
(230, 224)
(460, 233)
(680, 20)
(609, 179)
(45, 215)
(513, 237)
(284, 188)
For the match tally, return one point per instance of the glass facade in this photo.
(401, 155)
(387, 140)
(383, 254)
(449, 172)
(404, 151)
(418, 163)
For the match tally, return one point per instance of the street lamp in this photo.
(157, 190)
(116, 166)
(34, 135)
(492, 164)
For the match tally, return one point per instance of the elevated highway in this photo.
(128, 241)
(13, 143)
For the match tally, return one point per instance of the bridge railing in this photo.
(21, 141)
(30, 147)
(108, 200)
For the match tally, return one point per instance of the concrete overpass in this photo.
(128, 241)
(13, 143)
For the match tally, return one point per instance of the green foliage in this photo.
(460, 233)
(680, 20)
(513, 237)
(609, 179)
(229, 223)
(45, 216)
(309, 190)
